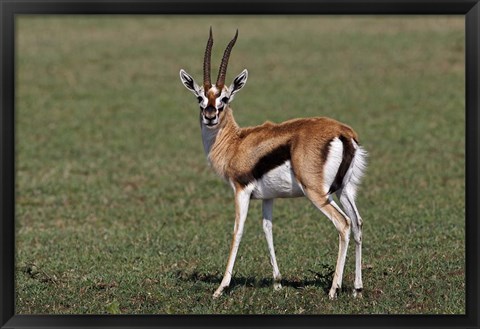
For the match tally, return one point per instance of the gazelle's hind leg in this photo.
(267, 210)
(342, 224)
(347, 199)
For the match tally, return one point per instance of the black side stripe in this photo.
(270, 161)
(348, 153)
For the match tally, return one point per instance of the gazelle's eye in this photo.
(199, 98)
(225, 100)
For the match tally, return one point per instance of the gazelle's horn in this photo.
(206, 63)
(223, 66)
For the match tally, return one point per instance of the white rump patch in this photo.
(334, 159)
(279, 182)
(356, 171)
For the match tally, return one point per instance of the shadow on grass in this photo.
(321, 280)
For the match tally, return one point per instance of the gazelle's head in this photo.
(213, 99)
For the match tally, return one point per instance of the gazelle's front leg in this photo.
(242, 200)
(267, 210)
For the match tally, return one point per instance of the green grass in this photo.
(117, 210)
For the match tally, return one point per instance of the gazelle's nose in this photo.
(210, 112)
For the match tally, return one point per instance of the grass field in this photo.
(117, 210)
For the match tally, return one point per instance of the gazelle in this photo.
(312, 157)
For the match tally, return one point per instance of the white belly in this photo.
(277, 183)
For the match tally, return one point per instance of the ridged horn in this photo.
(207, 84)
(223, 66)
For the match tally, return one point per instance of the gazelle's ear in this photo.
(238, 83)
(189, 83)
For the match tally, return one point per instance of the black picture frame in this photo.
(10, 8)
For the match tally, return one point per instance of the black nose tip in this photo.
(210, 112)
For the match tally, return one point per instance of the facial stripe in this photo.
(202, 101)
(348, 153)
(269, 161)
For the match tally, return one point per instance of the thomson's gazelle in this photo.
(312, 157)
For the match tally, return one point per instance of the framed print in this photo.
(337, 141)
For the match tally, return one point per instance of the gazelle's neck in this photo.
(218, 141)
(227, 128)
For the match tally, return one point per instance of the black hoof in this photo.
(357, 293)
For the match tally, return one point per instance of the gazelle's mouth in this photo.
(211, 124)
